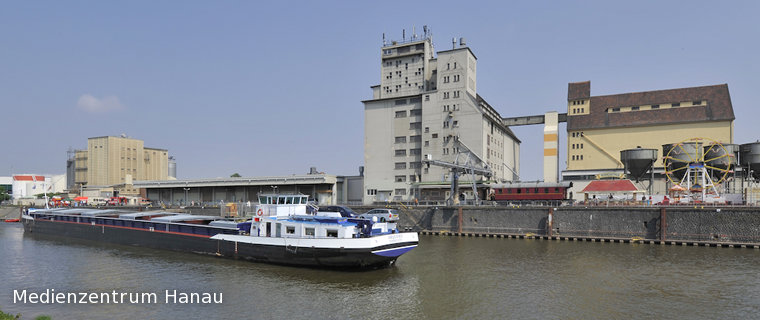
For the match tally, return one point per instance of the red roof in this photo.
(610, 186)
(29, 178)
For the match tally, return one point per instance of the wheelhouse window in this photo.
(309, 232)
(290, 229)
(332, 233)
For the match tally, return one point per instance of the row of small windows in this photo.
(578, 110)
(520, 190)
(577, 134)
(412, 113)
(402, 139)
(412, 165)
(413, 152)
(455, 94)
(446, 79)
(449, 66)
(579, 102)
(577, 146)
(453, 107)
(656, 106)
(577, 157)
(453, 150)
(412, 178)
(452, 123)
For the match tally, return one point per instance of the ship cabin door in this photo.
(277, 230)
(269, 229)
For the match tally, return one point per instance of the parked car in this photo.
(383, 215)
(345, 212)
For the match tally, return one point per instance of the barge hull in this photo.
(285, 255)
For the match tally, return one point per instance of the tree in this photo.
(4, 194)
(235, 175)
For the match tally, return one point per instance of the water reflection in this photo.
(445, 277)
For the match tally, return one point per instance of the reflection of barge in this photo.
(282, 232)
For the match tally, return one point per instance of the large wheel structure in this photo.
(698, 165)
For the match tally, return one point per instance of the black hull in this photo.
(300, 256)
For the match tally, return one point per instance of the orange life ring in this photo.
(260, 212)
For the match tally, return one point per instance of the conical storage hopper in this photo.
(750, 159)
(638, 161)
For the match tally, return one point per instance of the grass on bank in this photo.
(6, 316)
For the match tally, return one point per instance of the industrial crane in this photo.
(470, 164)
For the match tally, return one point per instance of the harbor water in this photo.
(444, 278)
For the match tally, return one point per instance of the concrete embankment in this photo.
(689, 225)
(9, 213)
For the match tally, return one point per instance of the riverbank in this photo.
(714, 226)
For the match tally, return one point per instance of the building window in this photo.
(456, 94)
(655, 106)
(445, 95)
(417, 138)
(401, 101)
(400, 178)
(677, 104)
(415, 125)
(400, 192)
(401, 139)
(455, 124)
(415, 165)
(427, 97)
(456, 78)
(427, 129)
(412, 178)
(435, 135)
(634, 108)
(415, 152)
(371, 192)
(400, 165)
(427, 143)
(615, 109)
(401, 153)
(415, 112)
(401, 114)
(696, 103)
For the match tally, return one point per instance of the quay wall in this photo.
(713, 224)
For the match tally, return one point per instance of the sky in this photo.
(274, 88)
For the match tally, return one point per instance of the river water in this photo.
(443, 278)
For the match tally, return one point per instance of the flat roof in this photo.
(243, 181)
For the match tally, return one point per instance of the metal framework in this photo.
(471, 164)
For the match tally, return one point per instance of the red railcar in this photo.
(518, 191)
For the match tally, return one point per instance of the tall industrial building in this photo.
(115, 162)
(427, 105)
(599, 127)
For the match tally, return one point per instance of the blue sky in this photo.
(273, 88)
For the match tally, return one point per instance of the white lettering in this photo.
(19, 297)
(172, 295)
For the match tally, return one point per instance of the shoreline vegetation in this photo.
(8, 316)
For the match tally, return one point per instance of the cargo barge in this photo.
(282, 232)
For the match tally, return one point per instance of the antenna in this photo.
(425, 30)
(414, 33)
(403, 34)
(453, 43)
(384, 39)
